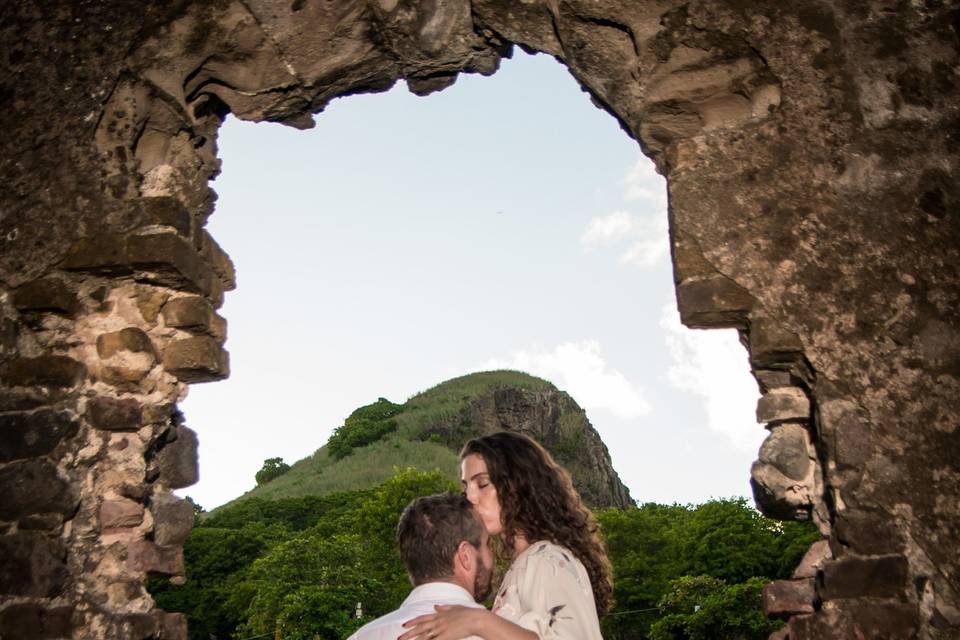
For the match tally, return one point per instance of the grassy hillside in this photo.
(406, 446)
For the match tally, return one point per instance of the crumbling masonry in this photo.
(811, 152)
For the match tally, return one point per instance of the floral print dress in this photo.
(547, 590)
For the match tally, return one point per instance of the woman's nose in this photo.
(471, 496)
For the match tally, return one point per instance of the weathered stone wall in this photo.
(810, 150)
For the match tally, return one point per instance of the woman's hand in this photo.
(450, 622)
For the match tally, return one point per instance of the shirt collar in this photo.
(438, 590)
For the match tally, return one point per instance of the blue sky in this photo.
(504, 222)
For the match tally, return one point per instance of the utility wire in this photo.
(623, 613)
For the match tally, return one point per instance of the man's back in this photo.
(420, 601)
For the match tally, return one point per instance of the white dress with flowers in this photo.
(547, 591)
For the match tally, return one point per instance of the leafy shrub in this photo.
(272, 468)
(364, 426)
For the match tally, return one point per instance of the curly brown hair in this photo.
(538, 501)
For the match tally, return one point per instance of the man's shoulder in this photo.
(390, 625)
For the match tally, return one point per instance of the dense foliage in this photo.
(723, 543)
(272, 468)
(362, 427)
(298, 567)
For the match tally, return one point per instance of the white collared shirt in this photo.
(419, 602)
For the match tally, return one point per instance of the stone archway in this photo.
(810, 153)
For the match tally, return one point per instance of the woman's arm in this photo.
(453, 622)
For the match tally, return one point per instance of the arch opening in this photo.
(775, 154)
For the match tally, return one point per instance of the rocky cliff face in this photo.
(555, 420)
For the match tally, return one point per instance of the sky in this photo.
(505, 222)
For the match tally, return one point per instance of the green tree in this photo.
(272, 468)
(706, 608)
(364, 426)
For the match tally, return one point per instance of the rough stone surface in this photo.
(48, 294)
(34, 621)
(177, 461)
(33, 434)
(33, 565)
(788, 449)
(173, 519)
(874, 576)
(120, 514)
(114, 414)
(34, 486)
(813, 560)
(126, 356)
(783, 403)
(778, 496)
(785, 598)
(192, 312)
(146, 556)
(198, 359)
(811, 152)
(47, 371)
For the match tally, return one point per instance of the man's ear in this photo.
(465, 556)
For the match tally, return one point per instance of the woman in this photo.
(559, 579)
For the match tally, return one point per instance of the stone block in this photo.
(101, 253)
(33, 565)
(771, 379)
(48, 294)
(43, 371)
(219, 260)
(177, 461)
(113, 414)
(166, 211)
(127, 356)
(777, 496)
(35, 621)
(34, 486)
(783, 403)
(855, 620)
(713, 302)
(119, 514)
(173, 626)
(785, 598)
(128, 339)
(149, 300)
(812, 561)
(144, 555)
(192, 312)
(23, 399)
(138, 626)
(787, 448)
(864, 576)
(867, 532)
(168, 259)
(771, 344)
(24, 435)
(40, 522)
(198, 359)
(173, 519)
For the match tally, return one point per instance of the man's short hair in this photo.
(430, 531)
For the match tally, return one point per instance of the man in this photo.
(445, 550)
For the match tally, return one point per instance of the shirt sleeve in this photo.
(556, 598)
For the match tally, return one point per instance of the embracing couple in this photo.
(559, 581)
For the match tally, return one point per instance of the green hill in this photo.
(427, 436)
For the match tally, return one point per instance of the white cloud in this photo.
(642, 182)
(713, 364)
(603, 230)
(647, 237)
(579, 369)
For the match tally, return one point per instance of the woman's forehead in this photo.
(472, 465)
